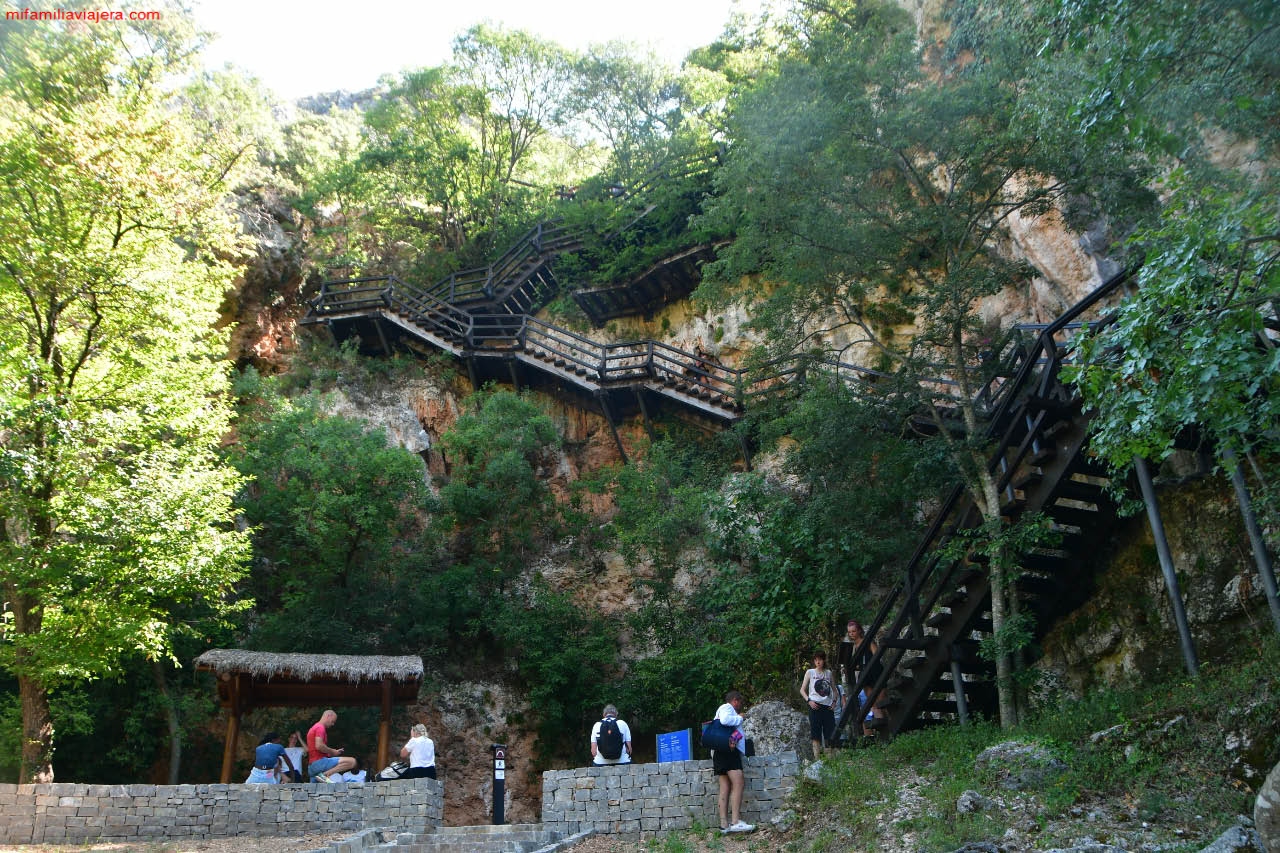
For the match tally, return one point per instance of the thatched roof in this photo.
(305, 668)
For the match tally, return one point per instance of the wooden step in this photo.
(1082, 518)
(1078, 490)
(937, 620)
(1041, 457)
(1026, 477)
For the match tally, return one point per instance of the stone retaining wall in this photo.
(71, 814)
(641, 800)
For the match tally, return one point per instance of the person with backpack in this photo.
(818, 689)
(610, 739)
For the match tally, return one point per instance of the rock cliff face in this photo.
(265, 303)
(1126, 631)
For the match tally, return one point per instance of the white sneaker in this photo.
(742, 826)
(323, 778)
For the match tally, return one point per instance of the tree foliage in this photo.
(338, 520)
(113, 261)
(1191, 92)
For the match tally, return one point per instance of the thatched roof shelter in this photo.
(248, 680)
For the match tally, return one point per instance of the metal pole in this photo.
(957, 683)
(1260, 555)
(1166, 564)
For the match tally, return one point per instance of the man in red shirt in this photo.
(323, 759)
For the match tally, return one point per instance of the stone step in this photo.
(510, 838)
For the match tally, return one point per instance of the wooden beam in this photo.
(382, 338)
(233, 731)
(604, 407)
(644, 413)
(384, 725)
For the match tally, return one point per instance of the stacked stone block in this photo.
(72, 813)
(643, 800)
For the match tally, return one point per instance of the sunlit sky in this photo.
(300, 47)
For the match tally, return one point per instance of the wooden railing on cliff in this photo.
(680, 375)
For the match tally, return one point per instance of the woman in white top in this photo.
(818, 690)
(421, 752)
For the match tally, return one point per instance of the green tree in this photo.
(1190, 95)
(113, 240)
(339, 522)
(451, 153)
(495, 506)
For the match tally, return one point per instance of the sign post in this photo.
(499, 782)
(675, 746)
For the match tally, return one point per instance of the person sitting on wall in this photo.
(421, 752)
(266, 758)
(297, 754)
(325, 760)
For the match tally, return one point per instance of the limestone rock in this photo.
(1266, 812)
(784, 820)
(777, 728)
(1237, 839)
(971, 801)
(1019, 765)
(978, 847)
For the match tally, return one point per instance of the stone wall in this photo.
(640, 800)
(64, 813)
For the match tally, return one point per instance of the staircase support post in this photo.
(957, 682)
(608, 416)
(382, 338)
(1260, 556)
(515, 378)
(644, 409)
(746, 451)
(1166, 564)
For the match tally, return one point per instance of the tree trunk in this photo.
(1000, 606)
(171, 719)
(37, 732)
(1004, 663)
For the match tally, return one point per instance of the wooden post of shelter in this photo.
(384, 725)
(233, 730)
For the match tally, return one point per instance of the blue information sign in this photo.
(675, 746)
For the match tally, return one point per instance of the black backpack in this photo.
(609, 741)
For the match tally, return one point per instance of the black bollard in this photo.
(499, 782)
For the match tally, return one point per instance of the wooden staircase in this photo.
(666, 281)
(933, 621)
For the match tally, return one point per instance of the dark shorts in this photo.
(822, 724)
(724, 760)
(420, 773)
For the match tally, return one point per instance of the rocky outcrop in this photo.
(265, 303)
(465, 720)
(777, 728)
(1266, 812)
(1126, 631)
(1019, 766)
